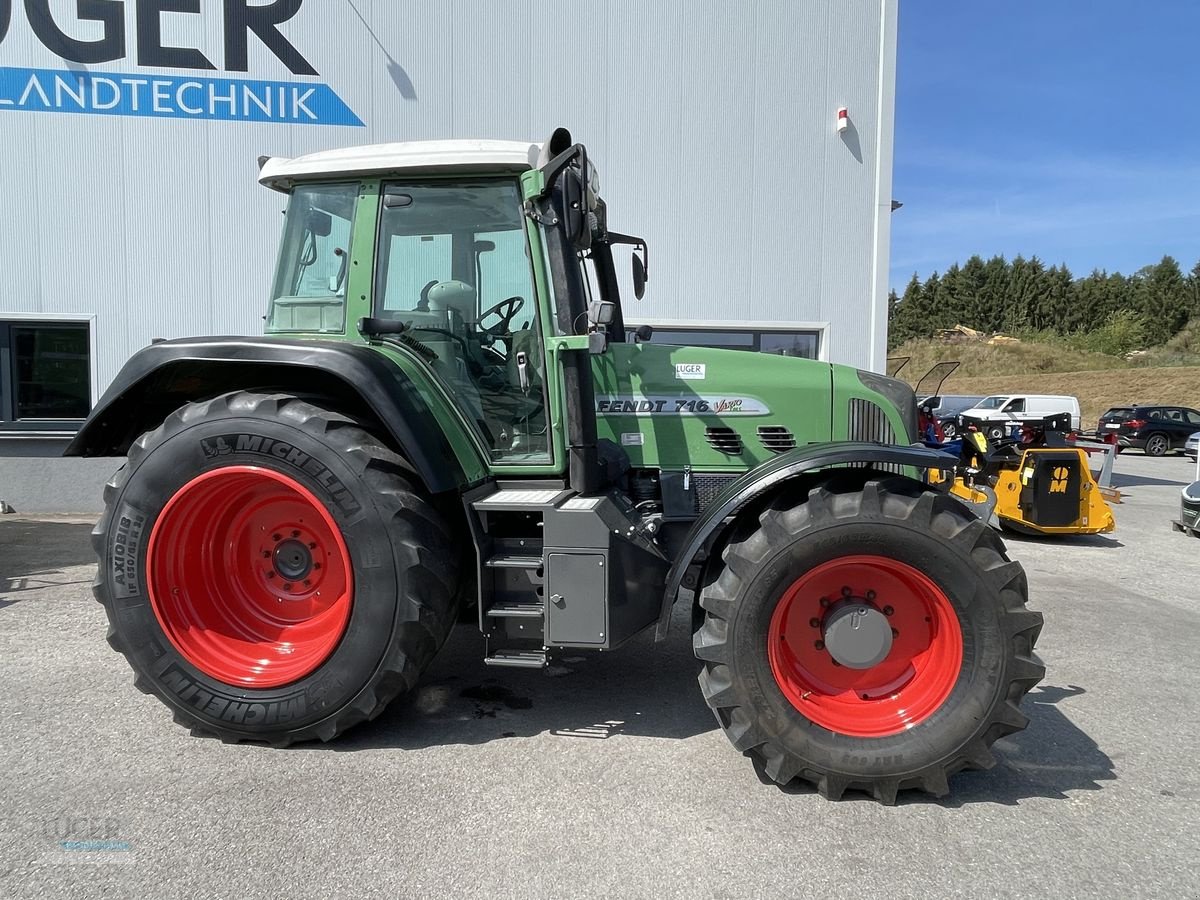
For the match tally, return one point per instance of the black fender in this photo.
(774, 474)
(164, 376)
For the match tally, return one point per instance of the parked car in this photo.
(1192, 448)
(947, 409)
(1154, 429)
(1002, 411)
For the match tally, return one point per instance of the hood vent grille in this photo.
(723, 440)
(869, 423)
(776, 438)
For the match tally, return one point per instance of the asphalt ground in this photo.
(606, 776)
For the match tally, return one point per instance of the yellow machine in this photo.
(1040, 485)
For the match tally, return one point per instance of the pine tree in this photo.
(993, 294)
(1163, 300)
(906, 319)
(1193, 281)
(1088, 302)
(1055, 303)
(1015, 315)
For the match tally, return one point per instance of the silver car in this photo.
(1192, 447)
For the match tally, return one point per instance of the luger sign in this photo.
(160, 95)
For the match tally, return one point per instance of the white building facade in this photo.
(130, 136)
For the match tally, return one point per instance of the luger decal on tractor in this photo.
(447, 411)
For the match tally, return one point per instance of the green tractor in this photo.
(448, 412)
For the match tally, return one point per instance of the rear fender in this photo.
(764, 481)
(365, 384)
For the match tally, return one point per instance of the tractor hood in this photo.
(730, 410)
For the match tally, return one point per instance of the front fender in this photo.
(774, 474)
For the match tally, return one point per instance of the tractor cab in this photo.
(467, 254)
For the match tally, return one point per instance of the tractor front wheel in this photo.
(867, 636)
(270, 571)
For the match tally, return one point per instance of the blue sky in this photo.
(1064, 129)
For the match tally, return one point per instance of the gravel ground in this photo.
(606, 776)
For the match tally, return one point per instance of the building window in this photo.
(46, 369)
(806, 344)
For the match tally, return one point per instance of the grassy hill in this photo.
(1098, 380)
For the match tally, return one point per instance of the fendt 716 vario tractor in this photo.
(447, 411)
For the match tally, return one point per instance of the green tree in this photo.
(993, 293)
(907, 316)
(1193, 282)
(1163, 300)
(1087, 302)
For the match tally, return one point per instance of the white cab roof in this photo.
(410, 157)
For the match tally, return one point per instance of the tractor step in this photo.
(528, 608)
(516, 499)
(513, 561)
(524, 659)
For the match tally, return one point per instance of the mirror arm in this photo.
(615, 237)
(556, 166)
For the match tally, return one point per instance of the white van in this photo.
(1003, 411)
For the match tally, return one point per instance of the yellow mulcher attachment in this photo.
(1039, 484)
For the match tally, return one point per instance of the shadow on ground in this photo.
(1050, 758)
(1120, 480)
(642, 689)
(651, 691)
(1100, 541)
(35, 556)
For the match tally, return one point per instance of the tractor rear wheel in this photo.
(269, 570)
(868, 636)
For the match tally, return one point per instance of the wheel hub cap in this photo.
(293, 560)
(857, 635)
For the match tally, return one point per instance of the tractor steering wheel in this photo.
(507, 311)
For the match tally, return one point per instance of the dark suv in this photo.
(1154, 429)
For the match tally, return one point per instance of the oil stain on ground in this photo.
(489, 698)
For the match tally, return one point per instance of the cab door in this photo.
(454, 263)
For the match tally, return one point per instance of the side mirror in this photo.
(641, 260)
(639, 277)
(319, 223)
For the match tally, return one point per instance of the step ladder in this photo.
(508, 520)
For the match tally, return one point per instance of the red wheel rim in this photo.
(904, 689)
(249, 577)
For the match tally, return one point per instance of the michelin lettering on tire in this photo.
(228, 444)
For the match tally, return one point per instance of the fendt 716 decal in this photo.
(696, 405)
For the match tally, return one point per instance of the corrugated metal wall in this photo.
(713, 125)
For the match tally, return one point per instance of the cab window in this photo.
(453, 264)
(310, 280)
